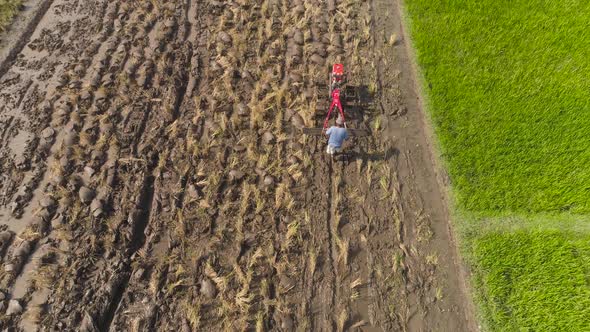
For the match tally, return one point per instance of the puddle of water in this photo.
(22, 281)
(39, 297)
(17, 143)
(14, 224)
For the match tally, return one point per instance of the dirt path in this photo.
(153, 177)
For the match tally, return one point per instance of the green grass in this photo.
(509, 96)
(8, 9)
(534, 281)
(508, 91)
(530, 273)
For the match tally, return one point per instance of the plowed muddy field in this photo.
(153, 175)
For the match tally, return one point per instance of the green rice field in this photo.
(534, 280)
(507, 89)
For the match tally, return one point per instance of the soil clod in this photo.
(208, 288)
(14, 308)
(86, 194)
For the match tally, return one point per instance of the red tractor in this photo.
(337, 77)
(337, 82)
(338, 92)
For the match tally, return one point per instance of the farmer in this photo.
(337, 134)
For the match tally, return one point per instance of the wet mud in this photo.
(153, 176)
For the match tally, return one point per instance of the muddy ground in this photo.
(153, 175)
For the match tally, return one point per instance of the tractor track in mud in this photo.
(332, 250)
(153, 178)
(138, 241)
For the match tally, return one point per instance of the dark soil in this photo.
(153, 176)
